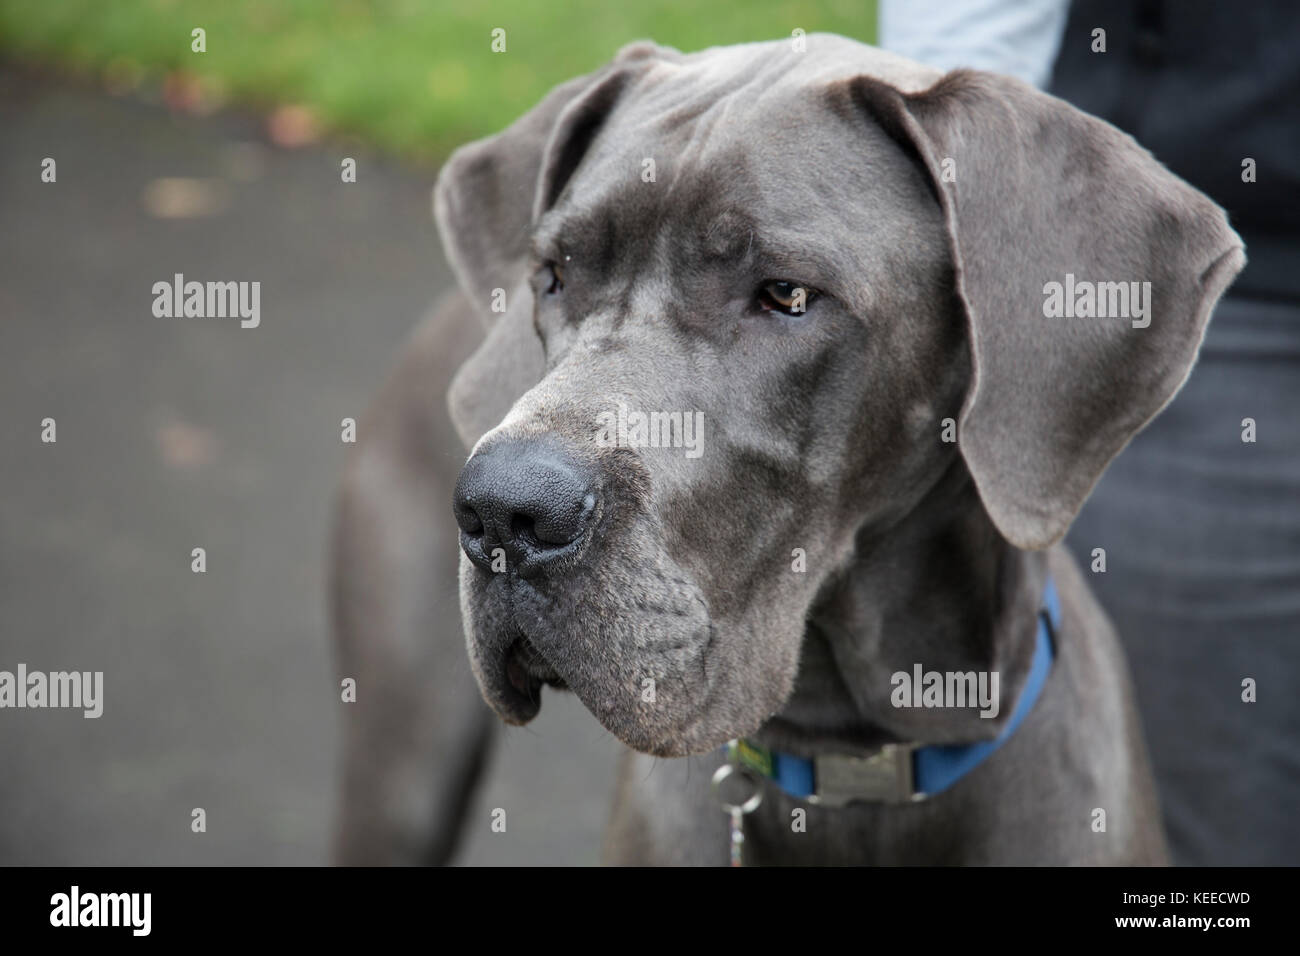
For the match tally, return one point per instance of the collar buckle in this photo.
(886, 776)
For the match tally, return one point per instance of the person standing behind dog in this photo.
(1193, 534)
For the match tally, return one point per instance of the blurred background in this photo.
(176, 434)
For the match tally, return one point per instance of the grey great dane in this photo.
(838, 263)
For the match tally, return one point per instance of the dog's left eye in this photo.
(788, 298)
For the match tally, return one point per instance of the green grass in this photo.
(415, 77)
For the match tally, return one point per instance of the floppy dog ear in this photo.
(507, 363)
(1034, 191)
(490, 192)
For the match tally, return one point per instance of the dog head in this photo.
(737, 301)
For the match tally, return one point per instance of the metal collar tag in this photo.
(885, 776)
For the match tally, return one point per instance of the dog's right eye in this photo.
(553, 277)
(788, 298)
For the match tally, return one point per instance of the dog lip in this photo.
(517, 676)
(518, 696)
(527, 668)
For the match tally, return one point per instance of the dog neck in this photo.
(941, 591)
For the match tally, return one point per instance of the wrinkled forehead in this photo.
(728, 160)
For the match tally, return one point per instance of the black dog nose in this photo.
(522, 505)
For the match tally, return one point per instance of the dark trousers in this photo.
(1202, 538)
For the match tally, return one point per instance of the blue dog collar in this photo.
(902, 773)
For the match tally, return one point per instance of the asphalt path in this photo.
(176, 433)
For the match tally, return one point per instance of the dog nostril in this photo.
(469, 521)
(523, 526)
(555, 525)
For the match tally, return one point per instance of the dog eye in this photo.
(788, 298)
(555, 274)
